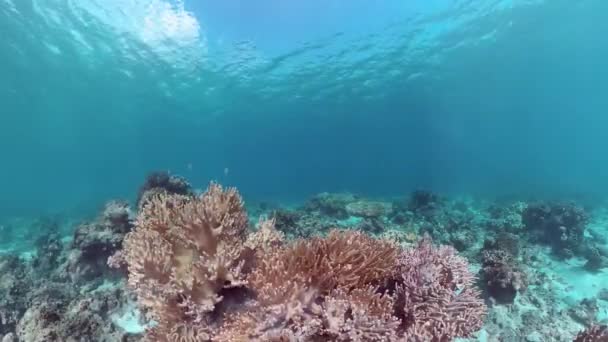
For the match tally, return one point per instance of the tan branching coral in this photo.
(354, 316)
(266, 238)
(343, 259)
(362, 314)
(296, 319)
(202, 276)
(182, 253)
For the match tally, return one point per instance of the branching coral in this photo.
(182, 253)
(266, 238)
(436, 297)
(342, 259)
(203, 277)
(362, 314)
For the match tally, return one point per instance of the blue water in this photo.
(288, 99)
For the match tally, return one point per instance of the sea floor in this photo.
(541, 265)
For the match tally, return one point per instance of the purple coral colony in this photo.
(182, 266)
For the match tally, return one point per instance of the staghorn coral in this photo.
(436, 297)
(342, 259)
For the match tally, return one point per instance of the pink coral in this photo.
(437, 299)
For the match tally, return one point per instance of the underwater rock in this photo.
(462, 240)
(48, 253)
(38, 323)
(505, 217)
(15, 285)
(534, 337)
(367, 209)
(371, 225)
(162, 182)
(84, 319)
(501, 276)
(420, 208)
(400, 237)
(603, 294)
(10, 337)
(452, 224)
(596, 260)
(286, 220)
(37, 305)
(20, 232)
(300, 223)
(561, 225)
(505, 241)
(95, 242)
(422, 200)
(585, 312)
(401, 218)
(595, 333)
(330, 204)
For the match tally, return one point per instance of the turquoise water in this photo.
(478, 123)
(456, 96)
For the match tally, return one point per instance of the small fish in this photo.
(226, 170)
(189, 166)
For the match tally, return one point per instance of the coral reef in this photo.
(561, 225)
(162, 182)
(502, 278)
(96, 241)
(61, 292)
(81, 319)
(332, 205)
(436, 296)
(201, 276)
(367, 209)
(183, 255)
(338, 268)
(597, 258)
(423, 201)
(501, 274)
